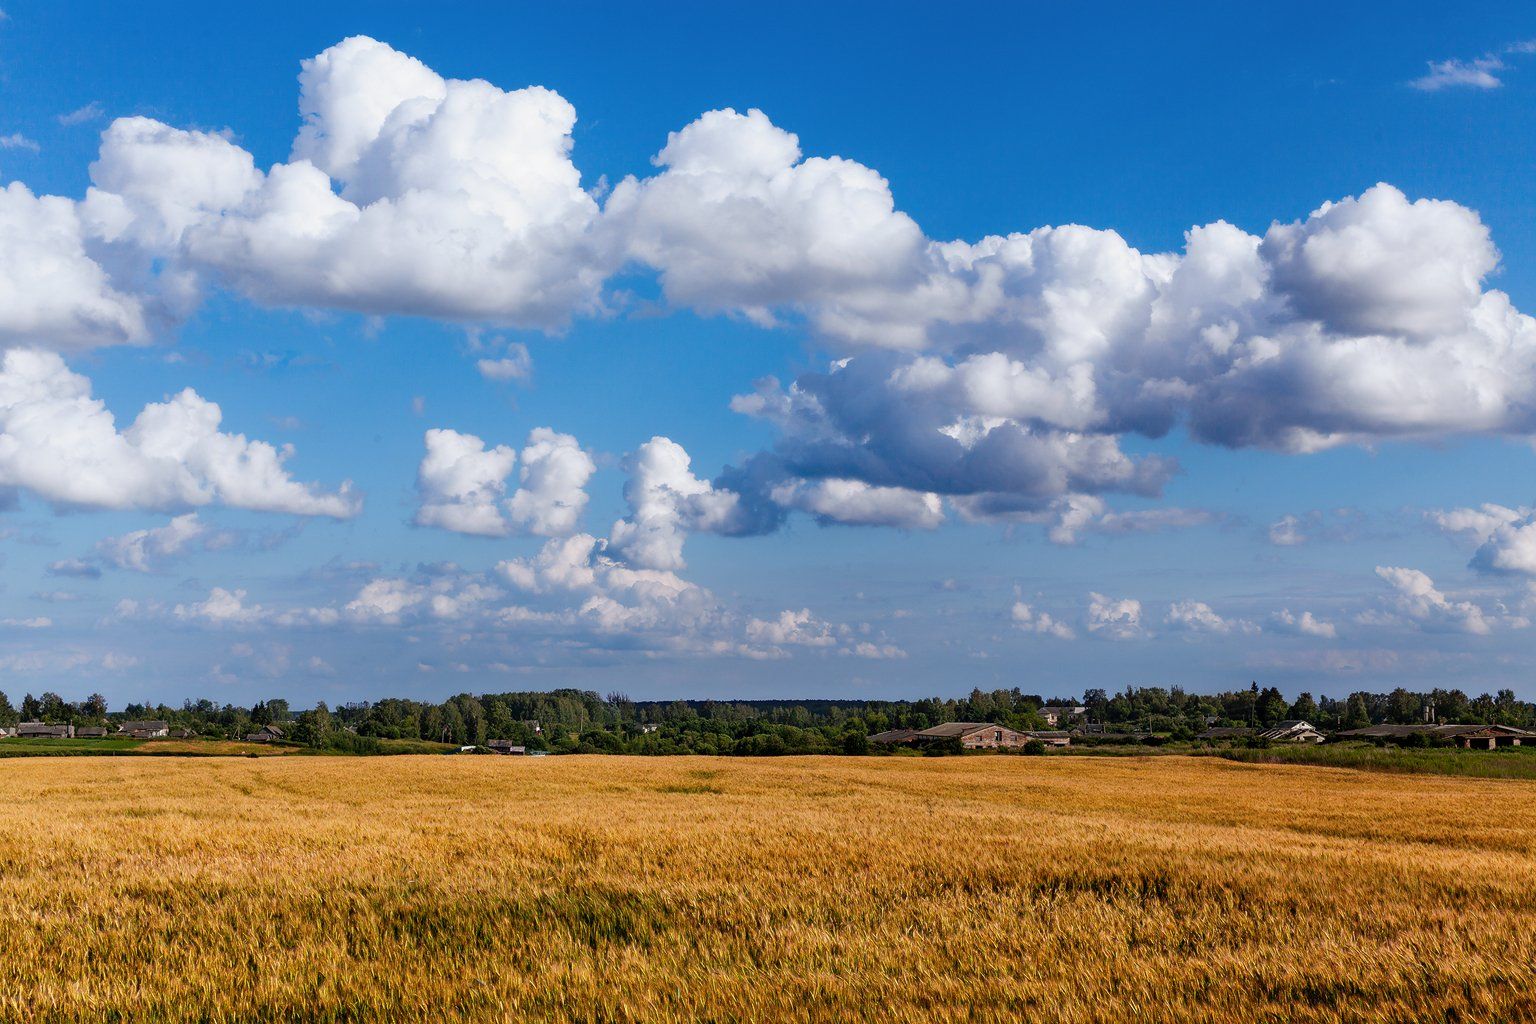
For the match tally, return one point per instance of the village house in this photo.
(182, 734)
(506, 747)
(895, 736)
(975, 735)
(1293, 730)
(1226, 733)
(90, 732)
(144, 730)
(650, 727)
(1487, 737)
(972, 736)
(266, 734)
(38, 730)
(1475, 737)
(1056, 714)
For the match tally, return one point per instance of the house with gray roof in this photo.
(144, 730)
(41, 730)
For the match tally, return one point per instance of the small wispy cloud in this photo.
(1479, 73)
(92, 111)
(16, 140)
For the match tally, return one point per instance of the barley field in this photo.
(689, 889)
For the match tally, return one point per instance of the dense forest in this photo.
(567, 720)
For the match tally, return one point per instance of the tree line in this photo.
(569, 720)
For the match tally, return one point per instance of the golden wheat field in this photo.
(686, 889)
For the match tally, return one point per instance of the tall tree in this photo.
(55, 709)
(1271, 706)
(1356, 714)
(1404, 707)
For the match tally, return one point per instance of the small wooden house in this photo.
(506, 747)
(144, 730)
(1226, 733)
(1056, 714)
(1487, 737)
(1475, 737)
(40, 730)
(1293, 730)
(895, 736)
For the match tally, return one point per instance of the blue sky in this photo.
(1244, 460)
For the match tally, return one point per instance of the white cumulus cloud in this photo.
(147, 550)
(1114, 619)
(63, 445)
(1029, 620)
(1305, 624)
(666, 502)
(552, 480)
(462, 484)
(1199, 617)
(855, 503)
(1415, 599)
(405, 193)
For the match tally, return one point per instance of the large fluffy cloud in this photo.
(405, 193)
(53, 290)
(1511, 548)
(737, 221)
(869, 420)
(64, 446)
(1505, 537)
(1416, 600)
(666, 501)
(462, 484)
(552, 481)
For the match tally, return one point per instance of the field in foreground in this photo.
(616, 889)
